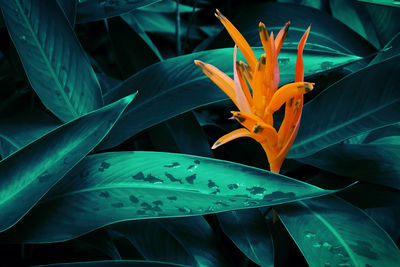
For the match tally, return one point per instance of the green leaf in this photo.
(55, 63)
(350, 107)
(69, 9)
(325, 30)
(112, 187)
(126, 263)
(168, 6)
(48, 159)
(376, 163)
(178, 80)
(250, 232)
(92, 10)
(394, 3)
(331, 232)
(22, 129)
(355, 15)
(188, 240)
(391, 49)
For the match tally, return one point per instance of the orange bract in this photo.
(257, 108)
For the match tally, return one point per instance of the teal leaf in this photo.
(393, 3)
(48, 159)
(126, 263)
(22, 129)
(69, 9)
(350, 107)
(112, 187)
(180, 81)
(331, 232)
(391, 49)
(250, 232)
(188, 240)
(168, 6)
(92, 10)
(376, 163)
(55, 63)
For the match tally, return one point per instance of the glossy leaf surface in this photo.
(188, 240)
(250, 232)
(92, 10)
(331, 232)
(112, 187)
(344, 113)
(181, 82)
(48, 159)
(54, 61)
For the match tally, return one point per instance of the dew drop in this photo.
(23, 37)
(44, 177)
(327, 245)
(185, 210)
(317, 245)
(250, 203)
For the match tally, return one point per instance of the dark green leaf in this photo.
(92, 10)
(69, 9)
(331, 232)
(373, 163)
(350, 107)
(250, 232)
(355, 15)
(179, 81)
(112, 187)
(187, 240)
(127, 263)
(18, 131)
(55, 63)
(390, 50)
(394, 3)
(168, 6)
(48, 159)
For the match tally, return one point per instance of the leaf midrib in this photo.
(44, 56)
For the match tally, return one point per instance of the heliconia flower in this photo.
(256, 107)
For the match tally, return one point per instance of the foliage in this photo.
(106, 127)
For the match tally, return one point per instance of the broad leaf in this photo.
(92, 10)
(331, 232)
(393, 3)
(168, 6)
(48, 159)
(22, 129)
(249, 230)
(376, 163)
(126, 263)
(391, 49)
(69, 9)
(350, 107)
(112, 187)
(187, 240)
(55, 63)
(181, 82)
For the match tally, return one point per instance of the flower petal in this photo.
(239, 40)
(242, 132)
(255, 125)
(219, 78)
(258, 87)
(286, 92)
(241, 99)
(299, 73)
(280, 38)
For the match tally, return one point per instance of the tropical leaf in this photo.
(345, 113)
(189, 240)
(55, 63)
(331, 232)
(22, 129)
(112, 187)
(249, 230)
(125, 263)
(355, 15)
(179, 81)
(393, 3)
(92, 10)
(48, 159)
(168, 6)
(275, 15)
(391, 49)
(69, 9)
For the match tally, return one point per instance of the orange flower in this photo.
(257, 108)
